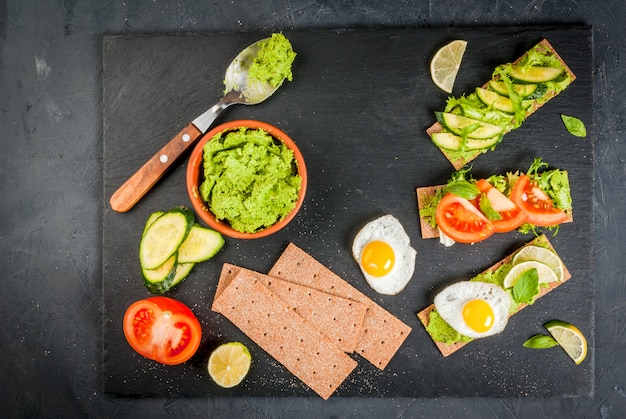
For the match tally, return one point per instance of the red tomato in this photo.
(538, 206)
(512, 215)
(162, 329)
(458, 219)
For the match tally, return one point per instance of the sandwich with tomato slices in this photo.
(468, 210)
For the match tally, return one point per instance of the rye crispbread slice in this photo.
(339, 319)
(448, 349)
(458, 163)
(382, 333)
(284, 334)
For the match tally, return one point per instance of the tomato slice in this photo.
(458, 219)
(538, 206)
(162, 329)
(512, 215)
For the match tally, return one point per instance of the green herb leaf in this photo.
(540, 342)
(526, 286)
(574, 126)
(463, 188)
(485, 207)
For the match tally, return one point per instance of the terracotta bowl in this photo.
(195, 178)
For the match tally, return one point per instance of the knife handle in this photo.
(144, 179)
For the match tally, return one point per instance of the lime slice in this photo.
(445, 64)
(543, 255)
(545, 273)
(229, 364)
(569, 338)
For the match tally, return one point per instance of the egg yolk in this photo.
(377, 258)
(478, 315)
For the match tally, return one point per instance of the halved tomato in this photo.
(458, 219)
(512, 215)
(162, 329)
(538, 206)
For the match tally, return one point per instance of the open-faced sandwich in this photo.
(467, 210)
(481, 307)
(476, 122)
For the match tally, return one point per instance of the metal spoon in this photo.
(239, 90)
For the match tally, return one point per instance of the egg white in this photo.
(389, 230)
(449, 304)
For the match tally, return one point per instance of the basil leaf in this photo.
(485, 207)
(463, 188)
(526, 286)
(574, 126)
(540, 342)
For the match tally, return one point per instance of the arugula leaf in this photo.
(526, 286)
(540, 342)
(574, 125)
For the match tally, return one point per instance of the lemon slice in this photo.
(569, 338)
(543, 255)
(445, 64)
(545, 273)
(229, 364)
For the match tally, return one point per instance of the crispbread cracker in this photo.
(423, 194)
(446, 349)
(340, 319)
(382, 333)
(284, 334)
(458, 163)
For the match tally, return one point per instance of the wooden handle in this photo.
(144, 179)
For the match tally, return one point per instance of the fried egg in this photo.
(383, 252)
(474, 309)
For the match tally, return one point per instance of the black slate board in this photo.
(357, 108)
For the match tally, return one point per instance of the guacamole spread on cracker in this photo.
(250, 179)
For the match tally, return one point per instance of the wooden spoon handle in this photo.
(144, 179)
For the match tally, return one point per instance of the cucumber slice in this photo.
(533, 74)
(201, 244)
(493, 99)
(447, 140)
(453, 142)
(524, 90)
(541, 90)
(160, 279)
(164, 236)
(182, 271)
(476, 144)
(151, 218)
(166, 276)
(457, 124)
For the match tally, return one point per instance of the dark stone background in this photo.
(52, 200)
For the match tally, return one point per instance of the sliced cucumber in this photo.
(453, 142)
(151, 218)
(164, 236)
(160, 279)
(447, 140)
(201, 244)
(524, 90)
(493, 99)
(533, 74)
(474, 128)
(182, 270)
(476, 144)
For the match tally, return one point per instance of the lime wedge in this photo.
(229, 364)
(545, 273)
(569, 338)
(445, 64)
(543, 255)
